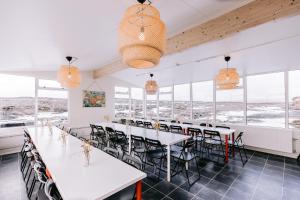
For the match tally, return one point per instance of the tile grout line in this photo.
(259, 178)
(235, 179)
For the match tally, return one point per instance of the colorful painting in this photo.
(93, 99)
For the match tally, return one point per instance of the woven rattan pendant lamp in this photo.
(69, 76)
(151, 86)
(228, 78)
(142, 37)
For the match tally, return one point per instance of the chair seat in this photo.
(157, 153)
(186, 156)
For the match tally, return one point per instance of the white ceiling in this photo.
(36, 35)
(266, 48)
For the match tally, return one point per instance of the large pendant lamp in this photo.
(228, 78)
(151, 86)
(69, 76)
(142, 37)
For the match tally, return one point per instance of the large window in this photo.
(137, 103)
(52, 101)
(17, 105)
(121, 102)
(151, 106)
(266, 100)
(230, 105)
(165, 102)
(294, 99)
(182, 102)
(203, 101)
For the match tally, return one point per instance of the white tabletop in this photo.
(165, 138)
(104, 176)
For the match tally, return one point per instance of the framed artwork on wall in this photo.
(93, 98)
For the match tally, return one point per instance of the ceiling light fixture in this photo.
(142, 37)
(151, 86)
(228, 78)
(69, 76)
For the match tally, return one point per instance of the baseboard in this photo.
(291, 155)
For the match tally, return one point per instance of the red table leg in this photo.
(226, 148)
(138, 190)
(233, 153)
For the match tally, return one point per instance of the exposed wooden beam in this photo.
(250, 15)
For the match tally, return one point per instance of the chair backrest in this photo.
(93, 129)
(213, 135)
(100, 129)
(206, 124)
(139, 123)
(189, 144)
(111, 151)
(152, 144)
(109, 130)
(190, 123)
(51, 190)
(175, 129)
(131, 122)
(148, 125)
(194, 131)
(162, 120)
(123, 121)
(174, 121)
(120, 135)
(133, 161)
(239, 138)
(164, 127)
(225, 127)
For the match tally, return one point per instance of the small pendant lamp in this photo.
(228, 78)
(151, 86)
(142, 36)
(69, 76)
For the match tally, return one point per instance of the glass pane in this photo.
(182, 110)
(182, 92)
(266, 100)
(151, 97)
(203, 111)
(122, 92)
(137, 93)
(49, 84)
(52, 105)
(137, 108)
(203, 91)
(151, 108)
(121, 108)
(16, 100)
(294, 99)
(230, 106)
(165, 109)
(165, 94)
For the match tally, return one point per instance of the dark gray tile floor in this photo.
(264, 177)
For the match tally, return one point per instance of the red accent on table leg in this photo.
(138, 190)
(226, 148)
(233, 153)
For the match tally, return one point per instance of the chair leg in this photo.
(187, 173)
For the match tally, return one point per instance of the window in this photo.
(52, 105)
(230, 105)
(294, 99)
(266, 100)
(151, 106)
(182, 104)
(165, 102)
(16, 100)
(121, 102)
(203, 101)
(137, 102)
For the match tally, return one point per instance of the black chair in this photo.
(93, 132)
(164, 127)
(155, 153)
(186, 155)
(111, 136)
(111, 151)
(138, 147)
(101, 136)
(189, 123)
(239, 144)
(225, 127)
(174, 121)
(123, 121)
(121, 141)
(162, 120)
(176, 129)
(139, 123)
(213, 142)
(148, 125)
(198, 137)
(131, 123)
(206, 124)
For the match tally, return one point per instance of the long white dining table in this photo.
(166, 138)
(104, 176)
